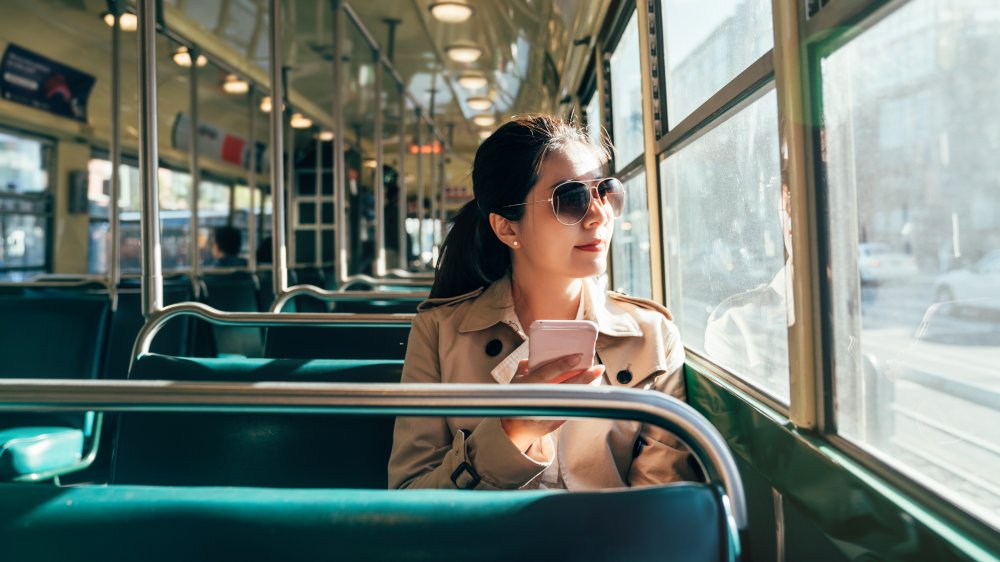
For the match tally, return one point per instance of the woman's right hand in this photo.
(523, 432)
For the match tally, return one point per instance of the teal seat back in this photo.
(234, 292)
(233, 449)
(61, 337)
(387, 305)
(127, 320)
(680, 522)
(354, 341)
(309, 276)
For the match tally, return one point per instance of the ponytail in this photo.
(471, 256)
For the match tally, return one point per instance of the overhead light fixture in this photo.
(463, 53)
(300, 121)
(325, 136)
(479, 103)
(471, 81)
(451, 12)
(485, 134)
(182, 56)
(127, 21)
(265, 104)
(370, 163)
(484, 120)
(235, 85)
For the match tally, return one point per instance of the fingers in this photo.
(554, 371)
(586, 376)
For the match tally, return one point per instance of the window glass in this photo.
(595, 127)
(626, 96)
(24, 207)
(912, 130)
(724, 216)
(213, 211)
(22, 165)
(630, 243)
(708, 43)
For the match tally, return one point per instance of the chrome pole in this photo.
(339, 164)
(278, 258)
(289, 191)
(318, 206)
(195, 170)
(252, 182)
(442, 211)
(434, 180)
(378, 181)
(420, 187)
(114, 254)
(152, 268)
(401, 180)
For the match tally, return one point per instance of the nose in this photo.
(598, 214)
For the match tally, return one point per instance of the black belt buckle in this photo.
(474, 481)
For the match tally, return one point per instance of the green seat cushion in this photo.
(681, 522)
(30, 450)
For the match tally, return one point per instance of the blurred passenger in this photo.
(226, 244)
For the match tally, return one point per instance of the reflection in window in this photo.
(708, 43)
(626, 96)
(910, 135)
(725, 221)
(630, 243)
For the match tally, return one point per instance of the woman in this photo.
(527, 248)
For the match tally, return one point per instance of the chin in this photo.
(590, 269)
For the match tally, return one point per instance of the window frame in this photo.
(46, 197)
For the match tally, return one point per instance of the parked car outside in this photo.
(981, 281)
(879, 263)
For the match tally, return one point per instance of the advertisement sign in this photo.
(217, 144)
(33, 80)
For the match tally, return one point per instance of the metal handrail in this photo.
(214, 316)
(426, 400)
(404, 274)
(381, 281)
(337, 296)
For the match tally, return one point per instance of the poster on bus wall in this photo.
(40, 82)
(217, 144)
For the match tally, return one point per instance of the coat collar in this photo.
(496, 305)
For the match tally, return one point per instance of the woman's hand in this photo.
(524, 432)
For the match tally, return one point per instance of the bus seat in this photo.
(309, 276)
(127, 320)
(388, 305)
(230, 449)
(678, 522)
(233, 292)
(49, 338)
(354, 341)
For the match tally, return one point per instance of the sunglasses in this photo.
(571, 199)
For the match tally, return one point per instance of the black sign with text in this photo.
(31, 79)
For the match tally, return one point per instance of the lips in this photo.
(594, 246)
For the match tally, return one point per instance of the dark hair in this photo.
(228, 239)
(505, 168)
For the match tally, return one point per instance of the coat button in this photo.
(494, 347)
(624, 376)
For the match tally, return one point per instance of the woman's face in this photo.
(549, 247)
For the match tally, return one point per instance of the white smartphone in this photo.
(552, 339)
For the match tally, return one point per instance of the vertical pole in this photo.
(379, 183)
(339, 164)
(152, 267)
(420, 187)
(434, 169)
(442, 210)
(401, 180)
(252, 181)
(195, 169)
(114, 255)
(318, 207)
(290, 191)
(279, 259)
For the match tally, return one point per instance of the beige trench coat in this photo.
(476, 338)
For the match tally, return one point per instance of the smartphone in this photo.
(552, 339)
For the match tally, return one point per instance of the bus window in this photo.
(24, 207)
(630, 243)
(595, 127)
(724, 240)
(626, 96)
(708, 43)
(911, 129)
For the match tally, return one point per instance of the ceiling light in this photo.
(485, 134)
(463, 53)
(265, 104)
(325, 136)
(127, 21)
(472, 81)
(451, 12)
(235, 85)
(479, 103)
(300, 121)
(484, 120)
(370, 163)
(182, 56)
